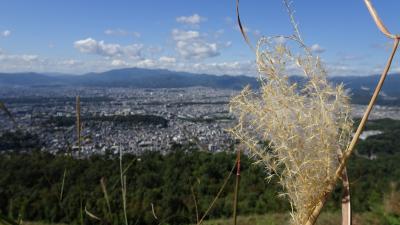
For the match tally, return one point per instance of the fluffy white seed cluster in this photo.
(307, 126)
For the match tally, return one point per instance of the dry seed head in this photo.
(308, 126)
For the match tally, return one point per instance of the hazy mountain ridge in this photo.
(361, 86)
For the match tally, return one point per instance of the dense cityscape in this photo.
(130, 120)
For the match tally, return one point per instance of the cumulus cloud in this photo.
(122, 32)
(194, 19)
(91, 46)
(316, 48)
(191, 45)
(5, 33)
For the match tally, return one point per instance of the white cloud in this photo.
(180, 35)
(27, 58)
(92, 46)
(191, 45)
(122, 32)
(166, 59)
(194, 19)
(147, 63)
(119, 62)
(317, 48)
(5, 33)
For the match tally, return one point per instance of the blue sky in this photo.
(187, 35)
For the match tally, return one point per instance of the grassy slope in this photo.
(279, 219)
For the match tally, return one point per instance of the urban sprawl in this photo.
(128, 120)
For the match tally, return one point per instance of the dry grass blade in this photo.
(378, 20)
(195, 205)
(123, 187)
(218, 194)
(78, 122)
(236, 194)
(242, 30)
(91, 215)
(62, 184)
(104, 189)
(153, 211)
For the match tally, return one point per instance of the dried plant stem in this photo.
(378, 20)
(218, 194)
(104, 189)
(153, 211)
(235, 201)
(346, 155)
(62, 184)
(195, 205)
(78, 122)
(346, 204)
(123, 187)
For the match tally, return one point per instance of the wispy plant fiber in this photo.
(307, 126)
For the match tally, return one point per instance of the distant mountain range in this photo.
(132, 77)
(361, 86)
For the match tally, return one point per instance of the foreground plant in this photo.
(308, 127)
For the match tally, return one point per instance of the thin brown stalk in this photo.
(218, 194)
(235, 201)
(346, 203)
(347, 153)
(62, 184)
(241, 28)
(123, 187)
(317, 209)
(195, 205)
(78, 122)
(378, 20)
(104, 189)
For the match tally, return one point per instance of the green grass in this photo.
(279, 219)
